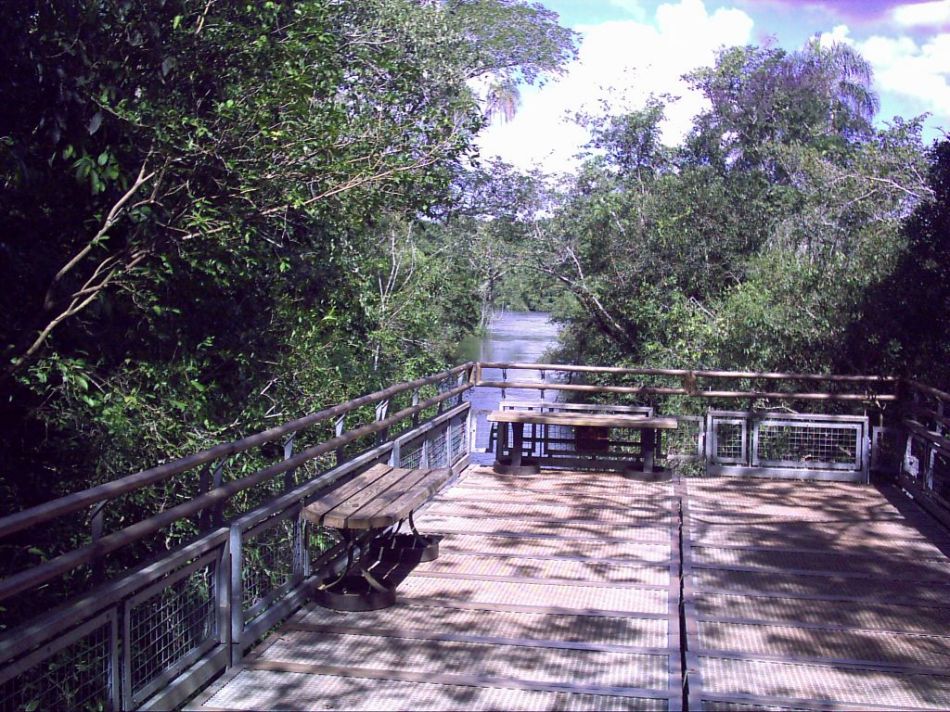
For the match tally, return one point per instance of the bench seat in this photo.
(379, 498)
(368, 512)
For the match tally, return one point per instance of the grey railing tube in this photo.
(111, 490)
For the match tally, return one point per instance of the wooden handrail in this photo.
(768, 375)
(111, 490)
(54, 568)
(658, 390)
(929, 390)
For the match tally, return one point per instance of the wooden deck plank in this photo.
(814, 595)
(573, 611)
(562, 591)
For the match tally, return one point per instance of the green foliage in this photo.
(772, 239)
(217, 215)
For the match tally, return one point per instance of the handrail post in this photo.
(415, 402)
(381, 409)
(288, 453)
(96, 526)
(236, 604)
(222, 582)
(339, 427)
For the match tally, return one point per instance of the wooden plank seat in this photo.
(649, 426)
(368, 513)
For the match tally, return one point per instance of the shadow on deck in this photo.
(563, 591)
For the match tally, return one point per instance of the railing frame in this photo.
(222, 545)
(235, 629)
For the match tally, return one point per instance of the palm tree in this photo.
(502, 100)
(843, 78)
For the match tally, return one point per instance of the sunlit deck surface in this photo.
(563, 591)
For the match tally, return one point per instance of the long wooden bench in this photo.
(368, 512)
(649, 427)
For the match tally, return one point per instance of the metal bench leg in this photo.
(517, 445)
(649, 448)
(408, 548)
(501, 443)
(351, 591)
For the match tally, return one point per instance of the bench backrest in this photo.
(555, 407)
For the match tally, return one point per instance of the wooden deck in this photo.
(563, 591)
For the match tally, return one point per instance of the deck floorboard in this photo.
(563, 590)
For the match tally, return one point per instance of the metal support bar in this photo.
(381, 409)
(290, 475)
(339, 427)
(236, 598)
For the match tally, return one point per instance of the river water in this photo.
(524, 337)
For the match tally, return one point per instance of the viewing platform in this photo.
(694, 540)
(563, 590)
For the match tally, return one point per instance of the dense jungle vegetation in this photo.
(216, 216)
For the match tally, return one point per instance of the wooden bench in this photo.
(368, 512)
(649, 427)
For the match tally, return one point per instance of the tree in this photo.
(198, 207)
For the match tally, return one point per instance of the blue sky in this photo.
(632, 48)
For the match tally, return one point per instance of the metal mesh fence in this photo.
(685, 441)
(166, 626)
(437, 455)
(808, 444)
(456, 439)
(77, 676)
(268, 564)
(411, 459)
(729, 440)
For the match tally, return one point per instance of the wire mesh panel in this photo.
(267, 565)
(729, 439)
(456, 436)
(437, 453)
(76, 672)
(411, 458)
(807, 444)
(168, 626)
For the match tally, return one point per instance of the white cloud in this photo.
(631, 6)
(904, 68)
(621, 62)
(924, 14)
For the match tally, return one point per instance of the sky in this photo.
(634, 48)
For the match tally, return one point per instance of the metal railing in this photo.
(153, 636)
(924, 435)
(829, 447)
(758, 441)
